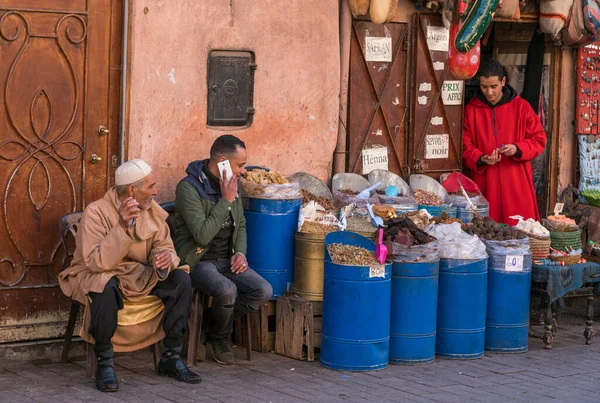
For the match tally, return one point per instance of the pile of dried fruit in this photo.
(324, 202)
(403, 230)
(262, 177)
(351, 255)
(444, 218)
(427, 198)
(490, 230)
(348, 192)
(385, 212)
(312, 227)
(360, 224)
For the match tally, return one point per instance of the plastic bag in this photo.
(530, 226)
(398, 201)
(283, 191)
(454, 243)
(510, 247)
(342, 199)
(416, 253)
(461, 201)
(502, 255)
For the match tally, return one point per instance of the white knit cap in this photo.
(131, 171)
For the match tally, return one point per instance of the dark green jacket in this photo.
(200, 212)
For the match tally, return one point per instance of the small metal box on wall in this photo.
(230, 88)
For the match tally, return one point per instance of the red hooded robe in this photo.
(508, 185)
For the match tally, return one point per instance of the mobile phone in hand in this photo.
(225, 166)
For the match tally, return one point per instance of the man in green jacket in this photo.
(210, 236)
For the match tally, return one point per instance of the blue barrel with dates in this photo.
(509, 287)
(462, 299)
(271, 226)
(356, 310)
(413, 312)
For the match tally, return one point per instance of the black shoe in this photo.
(175, 368)
(106, 380)
(221, 350)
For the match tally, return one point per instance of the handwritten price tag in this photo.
(513, 263)
(377, 271)
(558, 208)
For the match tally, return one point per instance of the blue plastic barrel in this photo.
(414, 312)
(462, 298)
(466, 214)
(356, 311)
(271, 226)
(507, 323)
(437, 211)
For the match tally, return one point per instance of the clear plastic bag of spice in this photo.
(416, 253)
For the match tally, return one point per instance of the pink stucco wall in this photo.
(295, 93)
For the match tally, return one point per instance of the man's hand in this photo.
(163, 260)
(492, 159)
(229, 187)
(509, 150)
(239, 264)
(128, 210)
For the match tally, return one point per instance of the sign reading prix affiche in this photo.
(378, 49)
(436, 146)
(452, 92)
(374, 158)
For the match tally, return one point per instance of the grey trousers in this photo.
(233, 294)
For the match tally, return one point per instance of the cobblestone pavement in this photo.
(567, 373)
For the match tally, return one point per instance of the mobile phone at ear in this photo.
(225, 166)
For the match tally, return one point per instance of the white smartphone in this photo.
(225, 166)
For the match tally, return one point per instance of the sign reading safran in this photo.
(378, 49)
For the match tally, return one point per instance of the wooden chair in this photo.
(69, 224)
(200, 302)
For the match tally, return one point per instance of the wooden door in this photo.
(436, 101)
(59, 81)
(377, 99)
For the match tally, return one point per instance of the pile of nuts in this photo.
(359, 224)
(324, 202)
(351, 255)
(427, 198)
(312, 227)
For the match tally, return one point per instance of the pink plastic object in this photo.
(381, 250)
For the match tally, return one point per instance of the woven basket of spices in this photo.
(539, 245)
(571, 259)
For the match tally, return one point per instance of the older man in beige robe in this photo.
(125, 271)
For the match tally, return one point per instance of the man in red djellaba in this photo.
(501, 135)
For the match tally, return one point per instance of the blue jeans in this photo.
(233, 295)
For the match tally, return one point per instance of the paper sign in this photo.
(378, 49)
(436, 146)
(425, 87)
(558, 208)
(438, 38)
(437, 121)
(452, 92)
(374, 158)
(437, 66)
(377, 271)
(514, 263)
(422, 100)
